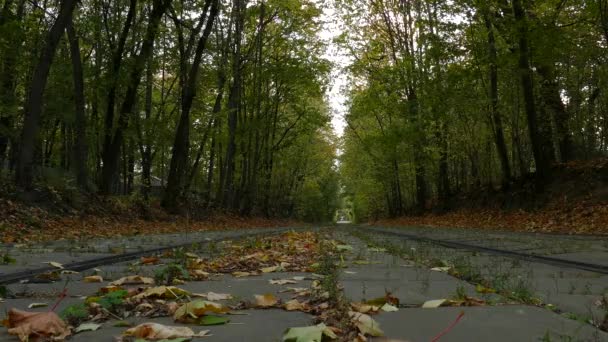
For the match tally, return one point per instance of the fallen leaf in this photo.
(108, 289)
(47, 324)
(389, 308)
(212, 320)
(149, 260)
(218, 296)
(440, 269)
(266, 301)
(432, 304)
(160, 331)
(196, 309)
(37, 305)
(163, 292)
(295, 305)
(87, 327)
(122, 324)
(366, 324)
(364, 308)
(482, 289)
(313, 333)
(240, 274)
(93, 279)
(342, 248)
(282, 281)
(54, 264)
(269, 269)
(133, 280)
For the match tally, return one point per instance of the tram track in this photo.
(597, 268)
(78, 266)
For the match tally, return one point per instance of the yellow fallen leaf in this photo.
(269, 269)
(93, 279)
(163, 292)
(266, 301)
(196, 309)
(240, 274)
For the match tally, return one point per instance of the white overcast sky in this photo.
(339, 78)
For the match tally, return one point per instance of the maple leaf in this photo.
(30, 326)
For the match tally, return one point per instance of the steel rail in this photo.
(83, 265)
(597, 268)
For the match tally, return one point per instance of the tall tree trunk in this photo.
(234, 104)
(106, 180)
(181, 145)
(33, 106)
(499, 138)
(80, 150)
(542, 168)
(112, 152)
(8, 75)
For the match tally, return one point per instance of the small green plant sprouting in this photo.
(461, 293)
(169, 273)
(113, 300)
(75, 314)
(6, 259)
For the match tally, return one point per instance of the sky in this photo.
(338, 56)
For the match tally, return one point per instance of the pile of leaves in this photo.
(21, 223)
(289, 252)
(579, 218)
(575, 201)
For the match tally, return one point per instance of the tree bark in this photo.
(80, 150)
(33, 106)
(179, 159)
(542, 169)
(112, 152)
(116, 65)
(499, 138)
(234, 104)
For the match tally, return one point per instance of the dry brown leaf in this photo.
(133, 280)
(33, 325)
(149, 260)
(295, 305)
(266, 301)
(364, 308)
(160, 331)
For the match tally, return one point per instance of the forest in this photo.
(223, 104)
(449, 97)
(217, 104)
